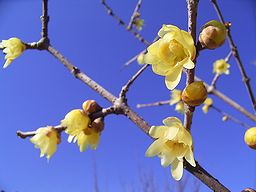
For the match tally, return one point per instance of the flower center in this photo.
(177, 49)
(87, 131)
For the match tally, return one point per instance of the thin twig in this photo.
(44, 19)
(158, 103)
(135, 12)
(234, 50)
(227, 58)
(229, 116)
(130, 61)
(121, 22)
(126, 87)
(167, 102)
(232, 103)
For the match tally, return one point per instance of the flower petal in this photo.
(157, 131)
(155, 148)
(167, 29)
(188, 64)
(190, 157)
(173, 79)
(177, 169)
(166, 159)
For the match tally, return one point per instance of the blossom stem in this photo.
(135, 12)
(245, 78)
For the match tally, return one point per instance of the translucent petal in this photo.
(166, 159)
(173, 79)
(167, 29)
(157, 131)
(189, 44)
(170, 121)
(155, 148)
(188, 64)
(177, 169)
(175, 96)
(190, 157)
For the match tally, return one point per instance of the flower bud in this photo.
(212, 34)
(98, 125)
(140, 58)
(194, 94)
(91, 106)
(250, 137)
(225, 118)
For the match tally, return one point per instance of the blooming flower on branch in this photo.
(13, 48)
(221, 66)
(207, 104)
(77, 126)
(46, 139)
(174, 50)
(173, 143)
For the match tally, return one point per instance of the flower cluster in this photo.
(173, 143)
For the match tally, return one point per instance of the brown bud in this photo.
(194, 94)
(213, 34)
(91, 106)
(98, 124)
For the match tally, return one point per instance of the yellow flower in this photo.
(221, 66)
(179, 107)
(13, 48)
(77, 126)
(175, 96)
(250, 137)
(46, 139)
(174, 50)
(173, 143)
(207, 104)
(139, 23)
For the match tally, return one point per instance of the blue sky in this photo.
(36, 90)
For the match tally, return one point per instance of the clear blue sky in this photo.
(36, 90)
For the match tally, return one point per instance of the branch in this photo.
(44, 19)
(121, 22)
(232, 103)
(135, 12)
(190, 73)
(126, 87)
(234, 50)
(167, 102)
(230, 117)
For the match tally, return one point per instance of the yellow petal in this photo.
(177, 169)
(189, 44)
(166, 159)
(155, 148)
(190, 157)
(175, 96)
(188, 64)
(173, 79)
(157, 131)
(172, 121)
(167, 29)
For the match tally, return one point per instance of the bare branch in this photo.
(230, 117)
(135, 12)
(232, 103)
(158, 103)
(121, 22)
(44, 19)
(126, 87)
(234, 50)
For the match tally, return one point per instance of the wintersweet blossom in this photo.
(221, 66)
(46, 139)
(176, 99)
(207, 104)
(173, 143)
(13, 48)
(174, 50)
(77, 126)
